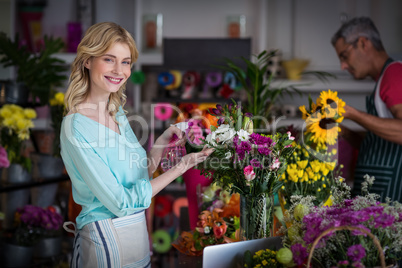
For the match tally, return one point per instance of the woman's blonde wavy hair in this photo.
(97, 40)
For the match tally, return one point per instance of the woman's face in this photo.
(109, 71)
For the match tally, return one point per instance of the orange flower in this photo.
(220, 228)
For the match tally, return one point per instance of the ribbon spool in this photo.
(212, 79)
(163, 111)
(163, 206)
(178, 204)
(137, 77)
(231, 80)
(177, 77)
(190, 80)
(165, 79)
(161, 241)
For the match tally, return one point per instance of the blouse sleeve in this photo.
(89, 168)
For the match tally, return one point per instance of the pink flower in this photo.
(290, 136)
(249, 173)
(276, 164)
(4, 162)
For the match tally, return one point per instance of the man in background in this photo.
(361, 52)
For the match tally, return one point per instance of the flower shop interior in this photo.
(190, 54)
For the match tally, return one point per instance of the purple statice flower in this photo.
(356, 252)
(299, 253)
(358, 232)
(255, 163)
(383, 220)
(344, 263)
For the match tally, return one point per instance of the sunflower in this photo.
(331, 103)
(324, 129)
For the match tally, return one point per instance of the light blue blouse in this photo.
(108, 170)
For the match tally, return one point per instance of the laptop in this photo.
(231, 255)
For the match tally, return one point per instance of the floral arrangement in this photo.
(344, 248)
(216, 226)
(33, 222)
(57, 109)
(312, 167)
(213, 196)
(15, 125)
(264, 258)
(247, 163)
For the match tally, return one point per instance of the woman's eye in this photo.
(108, 60)
(126, 62)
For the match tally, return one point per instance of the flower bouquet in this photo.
(324, 232)
(217, 225)
(15, 125)
(246, 163)
(313, 166)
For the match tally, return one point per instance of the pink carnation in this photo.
(249, 173)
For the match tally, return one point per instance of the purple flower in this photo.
(356, 252)
(221, 120)
(299, 253)
(216, 111)
(255, 163)
(248, 115)
(383, 220)
(219, 107)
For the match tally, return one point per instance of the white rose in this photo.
(226, 136)
(222, 128)
(243, 135)
(211, 138)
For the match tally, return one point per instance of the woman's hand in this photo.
(170, 133)
(190, 160)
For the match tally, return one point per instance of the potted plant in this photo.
(36, 232)
(37, 73)
(261, 96)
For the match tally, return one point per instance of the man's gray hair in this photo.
(357, 27)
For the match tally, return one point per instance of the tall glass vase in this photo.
(253, 217)
(256, 216)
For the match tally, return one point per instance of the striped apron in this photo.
(379, 158)
(110, 243)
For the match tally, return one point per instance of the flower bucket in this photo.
(48, 247)
(14, 174)
(16, 256)
(194, 179)
(49, 167)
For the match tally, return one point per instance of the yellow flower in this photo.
(264, 262)
(330, 101)
(58, 99)
(300, 173)
(325, 130)
(8, 122)
(23, 124)
(302, 164)
(30, 113)
(5, 112)
(23, 135)
(305, 114)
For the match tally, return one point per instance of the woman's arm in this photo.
(155, 155)
(187, 162)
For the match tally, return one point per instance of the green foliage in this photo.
(260, 95)
(39, 71)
